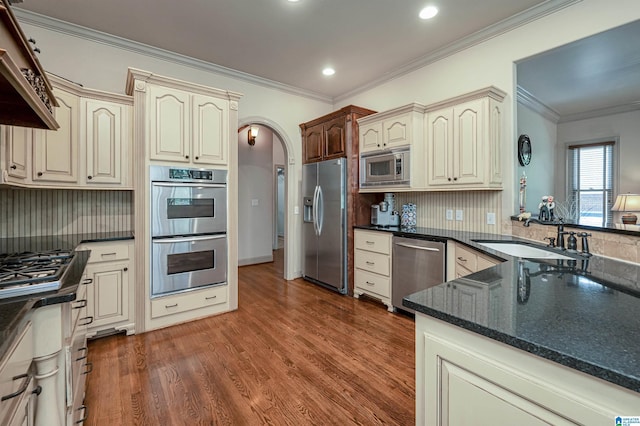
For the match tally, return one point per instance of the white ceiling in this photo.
(366, 41)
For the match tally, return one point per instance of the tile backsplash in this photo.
(35, 212)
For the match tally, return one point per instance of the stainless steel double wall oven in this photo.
(188, 229)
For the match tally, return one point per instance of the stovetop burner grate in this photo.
(33, 267)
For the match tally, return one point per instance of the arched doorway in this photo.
(258, 166)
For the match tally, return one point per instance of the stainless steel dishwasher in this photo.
(417, 265)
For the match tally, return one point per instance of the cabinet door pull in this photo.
(108, 254)
(89, 368)
(449, 179)
(86, 416)
(125, 269)
(84, 356)
(462, 259)
(87, 281)
(40, 173)
(175, 305)
(89, 177)
(82, 304)
(22, 389)
(371, 242)
(197, 158)
(88, 320)
(370, 283)
(370, 263)
(210, 297)
(455, 178)
(186, 156)
(14, 167)
(37, 390)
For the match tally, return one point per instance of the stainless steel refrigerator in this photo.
(324, 233)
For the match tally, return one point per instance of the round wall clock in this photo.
(524, 150)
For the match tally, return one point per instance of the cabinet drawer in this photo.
(466, 258)
(188, 301)
(373, 262)
(106, 252)
(373, 283)
(14, 372)
(485, 262)
(379, 242)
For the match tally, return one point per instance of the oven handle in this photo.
(188, 239)
(189, 185)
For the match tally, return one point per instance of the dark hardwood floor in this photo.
(292, 354)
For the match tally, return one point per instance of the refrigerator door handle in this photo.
(315, 210)
(320, 210)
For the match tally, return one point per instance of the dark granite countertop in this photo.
(13, 310)
(580, 313)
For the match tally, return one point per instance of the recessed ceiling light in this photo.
(328, 71)
(428, 12)
(294, 1)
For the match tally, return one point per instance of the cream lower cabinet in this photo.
(110, 294)
(463, 378)
(372, 260)
(17, 381)
(463, 142)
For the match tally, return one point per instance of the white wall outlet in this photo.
(449, 214)
(296, 210)
(459, 215)
(254, 202)
(491, 218)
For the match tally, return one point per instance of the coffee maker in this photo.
(384, 213)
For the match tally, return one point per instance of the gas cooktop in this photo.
(32, 272)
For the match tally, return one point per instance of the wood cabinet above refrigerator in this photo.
(27, 99)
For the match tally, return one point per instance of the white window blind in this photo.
(591, 182)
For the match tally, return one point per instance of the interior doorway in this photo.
(279, 204)
(262, 195)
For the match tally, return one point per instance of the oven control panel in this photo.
(187, 175)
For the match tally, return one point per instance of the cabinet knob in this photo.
(449, 179)
(14, 167)
(197, 158)
(89, 177)
(186, 156)
(378, 145)
(455, 178)
(32, 40)
(125, 269)
(39, 173)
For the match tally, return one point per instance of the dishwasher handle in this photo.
(417, 247)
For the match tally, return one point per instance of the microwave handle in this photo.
(188, 239)
(188, 185)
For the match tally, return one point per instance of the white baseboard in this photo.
(255, 260)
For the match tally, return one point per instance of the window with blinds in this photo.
(591, 182)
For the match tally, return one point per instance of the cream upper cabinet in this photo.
(210, 129)
(17, 149)
(187, 127)
(55, 152)
(169, 124)
(106, 129)
(463, 142)
(396, 128)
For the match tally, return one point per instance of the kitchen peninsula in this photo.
(551, 340)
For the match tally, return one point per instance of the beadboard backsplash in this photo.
(432, 206)
(35, 212)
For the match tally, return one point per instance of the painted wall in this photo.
(255, 198)
(541, 172)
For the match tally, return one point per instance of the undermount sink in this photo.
(521, 250)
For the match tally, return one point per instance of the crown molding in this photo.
(506, 25)
(53, 24)
(527, 99)
(618, 109)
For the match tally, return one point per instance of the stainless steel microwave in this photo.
(385, 168)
